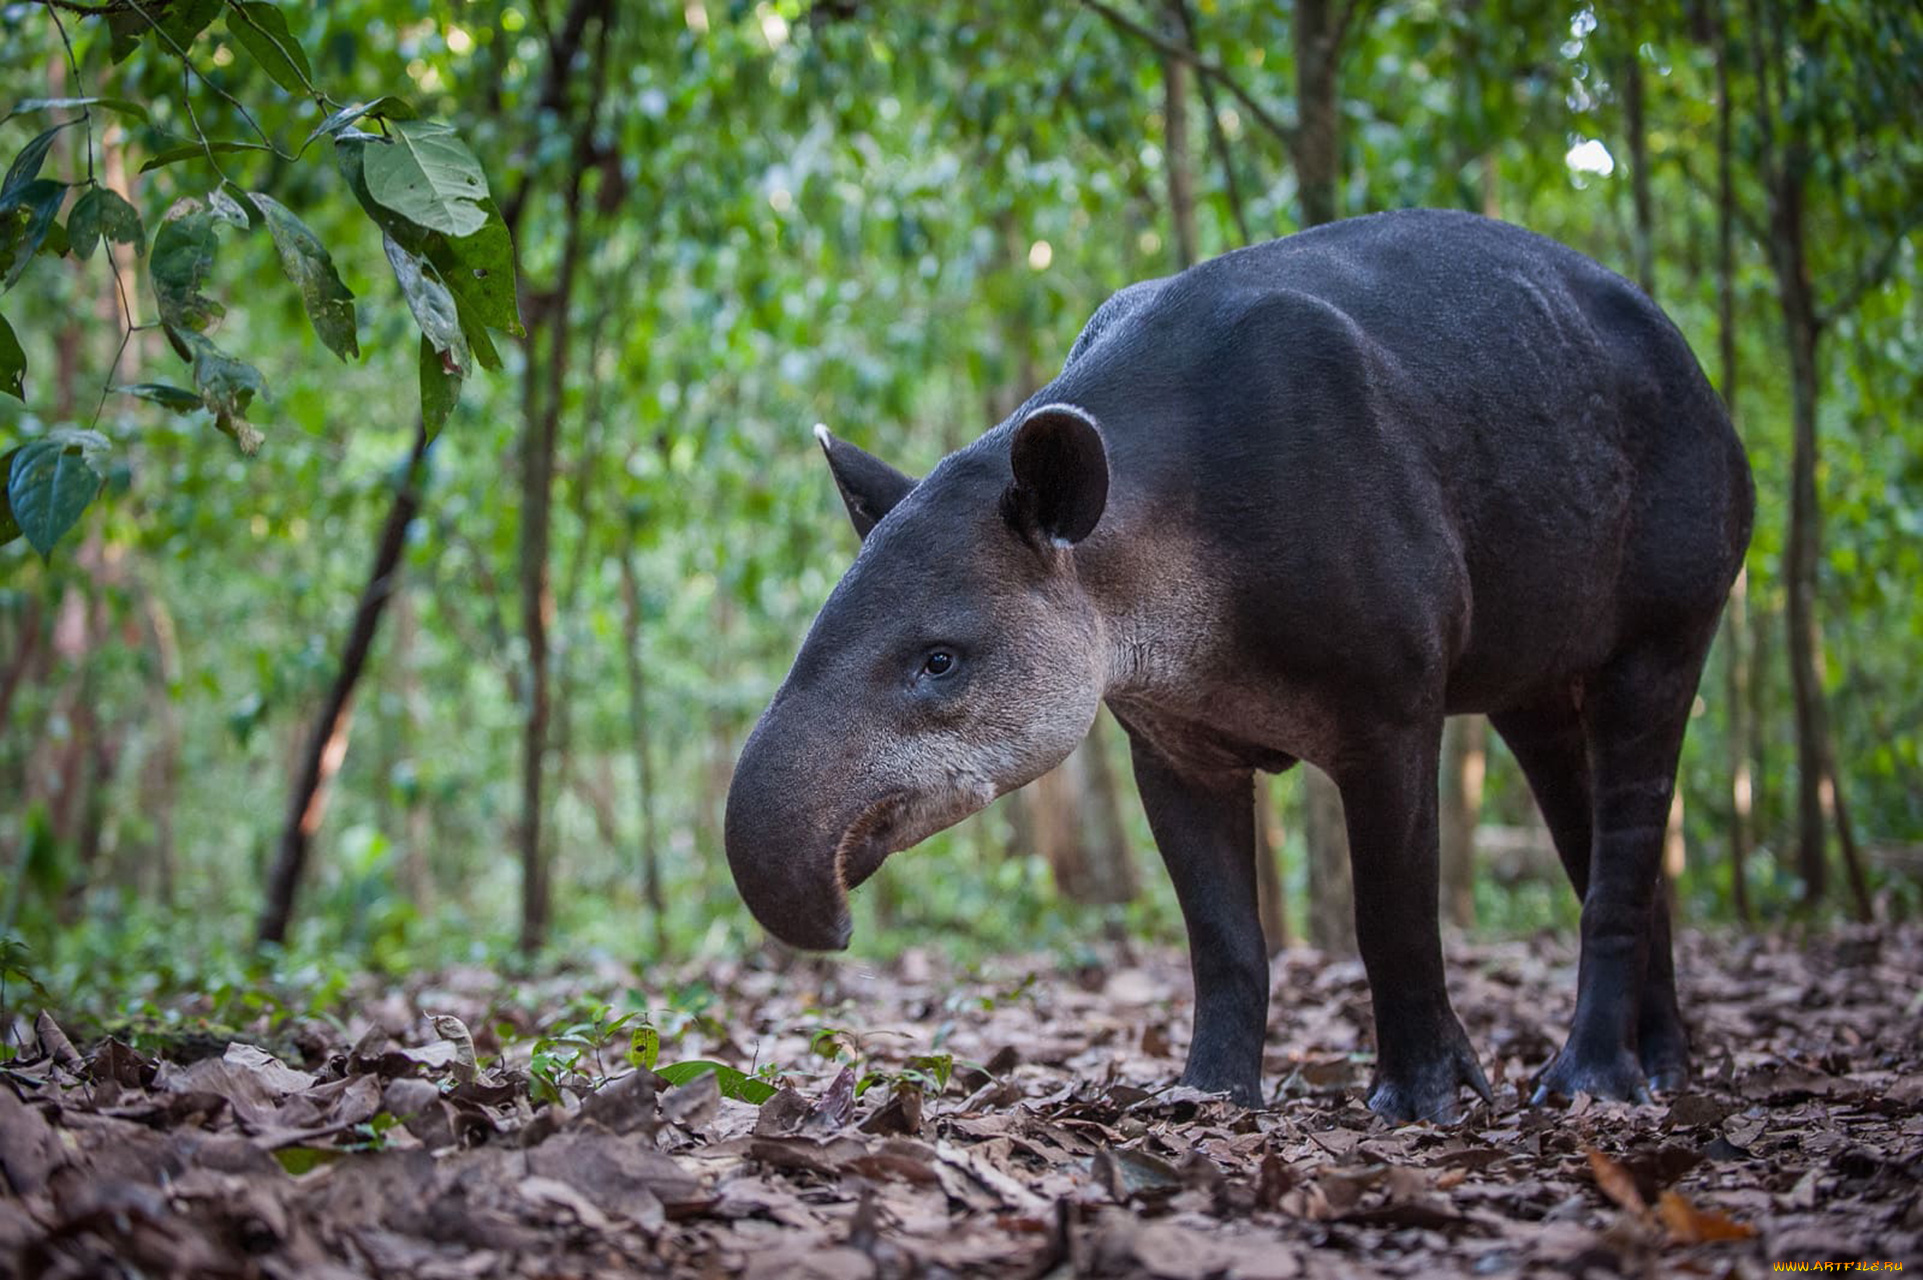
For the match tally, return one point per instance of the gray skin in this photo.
(1300, 502)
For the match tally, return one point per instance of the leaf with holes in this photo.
(51, 481)
(26, 217)
(13, 363)
(262, 31)
(428, 176)
(432, 304)
(183, 254)
(479, 269)
(227, 386)
(329, 303)
(101, 212)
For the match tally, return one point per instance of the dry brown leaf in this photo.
(1688, 1224)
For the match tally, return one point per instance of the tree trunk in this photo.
(1317, 54)
(1181, 176)
(326, 744)
(1464, 762)
(1644, 235)
(544, 385)
(1078, 827)
(638, 733)
(1736, 613)
(1331, 891)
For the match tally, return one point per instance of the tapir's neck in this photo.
(1160, 609)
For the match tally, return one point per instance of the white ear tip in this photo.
(822, 437)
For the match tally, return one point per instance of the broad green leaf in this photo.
(431, 303)
(329, 303)
(262, 30)
(122, 105)
(51, 481)
(387, 108)
(479, 269)
(13, 363)
(428, 176)
(179, 399)
(183, 254)
(350, 157)
(103, 212)
(26, 166)
(21, 237)
(196, 151)
(227, 386)
(734, 1084)
(440, 387)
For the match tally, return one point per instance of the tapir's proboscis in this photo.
(1299, 502)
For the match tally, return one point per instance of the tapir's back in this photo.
(1435, 402)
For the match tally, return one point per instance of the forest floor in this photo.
(1018, 1120)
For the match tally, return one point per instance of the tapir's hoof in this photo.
(1432, 1092)
(1618, 1077)
(1243, 1093)
(1665, 1058)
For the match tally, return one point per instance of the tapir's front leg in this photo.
(1389, 806)
(1205, 828)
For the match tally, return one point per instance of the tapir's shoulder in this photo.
(1123, 304)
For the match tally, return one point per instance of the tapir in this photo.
(1298, 502)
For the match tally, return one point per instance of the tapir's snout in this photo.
(784, 841)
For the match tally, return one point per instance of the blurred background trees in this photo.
(732, 219)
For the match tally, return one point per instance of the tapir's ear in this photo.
(870, 488)
(1061, 475)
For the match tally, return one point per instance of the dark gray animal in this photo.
(1299, 502)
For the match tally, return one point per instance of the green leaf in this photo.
(387, 108)
(20, 238)
(197, 151)
(329, 303)
(124, 106)
(428, 176)
(51, 481)
(183, 255)
(734, 1084)
(262, 30)
(26, 166)
(479, 269)
(350, 158)
(431, 303)
(227, 386)
(644, 1046)
(103, 212)
(440, 388)
(13, 363)
(179, 399)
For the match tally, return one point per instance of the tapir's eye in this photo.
(938, 663)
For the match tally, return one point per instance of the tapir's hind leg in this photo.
(1633, 715)
(1548, 741)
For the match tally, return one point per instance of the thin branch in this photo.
(1202, 66)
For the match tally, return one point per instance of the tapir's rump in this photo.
(1298, 502)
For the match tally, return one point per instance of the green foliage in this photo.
(733, 1082)
(50, 481)
(427, 176)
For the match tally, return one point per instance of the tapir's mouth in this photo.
(867, 842)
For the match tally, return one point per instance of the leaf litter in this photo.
(1020, 1120)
